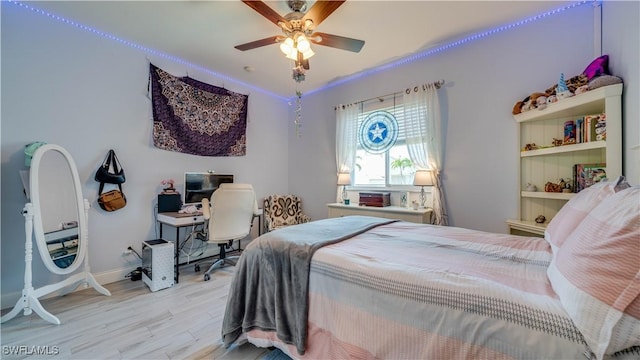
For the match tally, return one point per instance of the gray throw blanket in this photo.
(270, 287)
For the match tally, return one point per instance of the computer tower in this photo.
(157, 264)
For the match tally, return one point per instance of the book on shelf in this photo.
(579, 130)
(585, 175)
(591, 125)
(569, 132)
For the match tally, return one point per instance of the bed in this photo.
(368, 288)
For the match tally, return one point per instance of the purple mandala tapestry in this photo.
(193, 117)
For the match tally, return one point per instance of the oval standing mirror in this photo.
(58, 215)
(59, 218)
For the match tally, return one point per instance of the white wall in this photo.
(484, 79)
(88, 94)
(620, 39)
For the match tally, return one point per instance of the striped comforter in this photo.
(413, 291)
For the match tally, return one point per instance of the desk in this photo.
(178, 221)
(389, 212)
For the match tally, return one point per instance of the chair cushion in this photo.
(283, 210)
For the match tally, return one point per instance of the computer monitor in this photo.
(200, 185)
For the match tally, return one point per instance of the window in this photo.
(389, 168)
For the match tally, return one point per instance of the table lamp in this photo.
(344, 179)
(422, 178)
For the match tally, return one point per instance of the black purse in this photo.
(104, 174)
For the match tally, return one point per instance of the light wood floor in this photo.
(182, 322)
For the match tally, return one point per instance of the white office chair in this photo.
(229, 217)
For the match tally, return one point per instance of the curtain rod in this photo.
(438, 84)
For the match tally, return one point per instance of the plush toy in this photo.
(582, 89)
(572, 84)
(528, 103)
(603, 80)
(562, 91)
(541, 102)
(517, 108)
(599, 66)
(551, 187)
(577, 81)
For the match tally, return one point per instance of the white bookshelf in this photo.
(550, 163)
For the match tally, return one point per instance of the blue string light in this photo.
(391, 65)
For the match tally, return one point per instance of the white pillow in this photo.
(576, 209)
(596, 274)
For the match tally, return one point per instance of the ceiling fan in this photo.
(298, 30)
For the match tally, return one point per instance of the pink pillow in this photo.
(596, 274)
(576, 209)
(599, 66)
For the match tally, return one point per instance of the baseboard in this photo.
(8, 301)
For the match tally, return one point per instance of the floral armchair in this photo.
(283, 210)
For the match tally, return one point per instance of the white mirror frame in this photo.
(34, 185)
(29, 302)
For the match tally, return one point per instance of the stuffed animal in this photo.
(528, 103)
(572, 84)
(562, 90)
(551, 187)
(582, 89)
(517, 108)
(541, 102)
(577, 81)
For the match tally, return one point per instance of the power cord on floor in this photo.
(135, 275)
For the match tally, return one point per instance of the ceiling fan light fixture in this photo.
(307, 54)
(302, 43)
(287, 46)
(293, 54)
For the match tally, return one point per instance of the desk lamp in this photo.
(422, 178)
(344, 179)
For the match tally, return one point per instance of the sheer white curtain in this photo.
(346, 138)
(423, 135)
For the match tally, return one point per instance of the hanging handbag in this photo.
(111, 200)
(104, 174)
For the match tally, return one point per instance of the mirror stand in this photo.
(29, 302)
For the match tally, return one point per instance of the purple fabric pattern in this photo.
(196, 118)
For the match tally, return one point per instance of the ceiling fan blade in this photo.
(321, 10)
(258, 43)
(335, 41)
(264, 10)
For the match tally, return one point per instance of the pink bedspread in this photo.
(412, 291)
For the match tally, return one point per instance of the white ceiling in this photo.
(204, 33)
